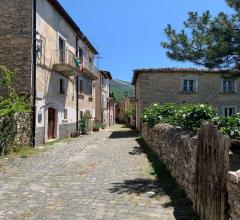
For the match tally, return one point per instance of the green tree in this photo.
(11, 104)
(213, 42)
(130, 111)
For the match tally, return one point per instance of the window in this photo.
(189, 85)
(61, 45)
(40, 117)
(229, 111)
(90, 60)
(62, 86)
(39, 48)
(90, 89)
(80, 54)
(65, 114)
(80, 86)
(228, 85)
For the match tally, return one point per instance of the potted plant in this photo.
(103, 126)
(96, 126)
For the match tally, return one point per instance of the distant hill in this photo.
(118, 87)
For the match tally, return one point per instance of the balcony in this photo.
(66, 63)
(89, 70)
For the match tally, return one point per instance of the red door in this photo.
(51, 123)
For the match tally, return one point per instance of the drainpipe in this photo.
(34, 63)
(77, 101)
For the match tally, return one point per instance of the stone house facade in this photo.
(105, 105)
(54, 65)
(122, 108)
(220, 89)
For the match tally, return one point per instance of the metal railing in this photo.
(67, 57)
(89, 67)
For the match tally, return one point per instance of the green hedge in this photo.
(190, 116)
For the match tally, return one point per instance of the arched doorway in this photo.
(51, 123)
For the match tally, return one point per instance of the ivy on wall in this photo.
(11, 105)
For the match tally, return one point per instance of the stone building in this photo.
(122, 108)
(54, 62)
(220, 89)
(105, 105)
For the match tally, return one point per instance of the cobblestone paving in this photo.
(101, 176)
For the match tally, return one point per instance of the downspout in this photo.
(34, 63)
(109, 117)
(77, 96)
(101, 107)
(135, 105)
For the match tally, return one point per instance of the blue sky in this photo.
(127, 33)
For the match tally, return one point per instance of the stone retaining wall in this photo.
(200, 163)
(24, 129)
(177, 149)
(233, 187)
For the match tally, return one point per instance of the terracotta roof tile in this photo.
(136, 72)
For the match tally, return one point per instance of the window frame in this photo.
(186, 85)
(80, 86)
(225, 89)
(62, 90)
(65, 114)
(224, 108)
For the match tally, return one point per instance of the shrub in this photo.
(192, 116)
(157, 113)
(188, 116)
(83, 124)
(229, 125)
(11, 104)
(130, 111)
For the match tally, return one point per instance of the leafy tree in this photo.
(213, 42)
(130, 111)
(10, 105)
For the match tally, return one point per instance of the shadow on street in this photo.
(163, 184)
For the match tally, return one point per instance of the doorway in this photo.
(51, 123)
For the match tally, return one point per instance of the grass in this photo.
(26, 151)
(22, 152)
(157, 168)
(168, 183)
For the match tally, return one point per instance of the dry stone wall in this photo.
(24, 129)
(199, 162)
(233, 186)
(177, 149)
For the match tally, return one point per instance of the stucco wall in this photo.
(50, 26)
(102, 97)
(86, 100)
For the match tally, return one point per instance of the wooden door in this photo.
(51, 123)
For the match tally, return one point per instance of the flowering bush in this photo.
(189, 116)
(192, 116)
(229, 125)
(157, 113)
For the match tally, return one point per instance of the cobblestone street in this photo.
(105, 175)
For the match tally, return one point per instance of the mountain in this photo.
(119, 87)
